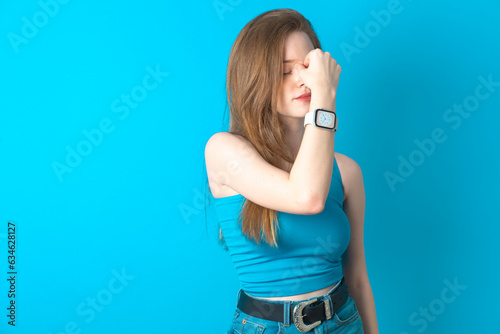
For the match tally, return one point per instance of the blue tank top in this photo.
(309, 247)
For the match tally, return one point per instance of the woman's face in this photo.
(297, 46)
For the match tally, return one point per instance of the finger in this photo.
(299, 68)
(307, 60)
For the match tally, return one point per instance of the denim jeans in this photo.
(345, 321)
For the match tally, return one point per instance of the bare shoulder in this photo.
(223, 138)
(346, 163)
(223, 153)
(350, 172)
(224, 143)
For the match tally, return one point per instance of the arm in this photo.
(312, 170)
(233, 162)
(353, 261)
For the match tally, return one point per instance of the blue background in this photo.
(133, 205)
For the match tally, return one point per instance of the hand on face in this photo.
(319, 71)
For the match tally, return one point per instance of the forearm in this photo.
(312, 170)
(363, 297)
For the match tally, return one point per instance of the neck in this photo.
(294, 131)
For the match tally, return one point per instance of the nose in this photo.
(297, 78)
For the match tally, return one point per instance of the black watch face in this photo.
(325, 119)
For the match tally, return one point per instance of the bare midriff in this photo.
(303, 296)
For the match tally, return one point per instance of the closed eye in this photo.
(287, 73)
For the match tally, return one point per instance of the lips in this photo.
(306, 96)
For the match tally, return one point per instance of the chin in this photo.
(295, 112)
(304, 112)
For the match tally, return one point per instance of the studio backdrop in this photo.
(105, 110)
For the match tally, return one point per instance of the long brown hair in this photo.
(254, 76)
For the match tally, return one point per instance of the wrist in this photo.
(323, 98)
(322, 118)
(327, 90)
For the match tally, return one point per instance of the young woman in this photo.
(290, 209)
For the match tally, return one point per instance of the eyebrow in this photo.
(289, 60)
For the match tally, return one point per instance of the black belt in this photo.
(305, 315)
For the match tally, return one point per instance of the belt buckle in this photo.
(298, 316)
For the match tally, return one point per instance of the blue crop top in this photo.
(309, 247)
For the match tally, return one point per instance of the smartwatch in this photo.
(322, 118)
